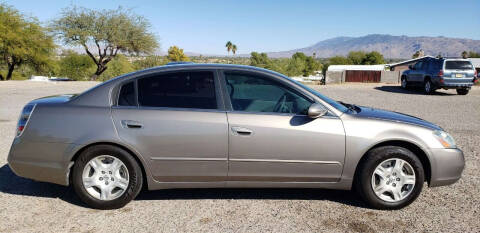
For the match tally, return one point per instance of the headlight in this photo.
(445, 139)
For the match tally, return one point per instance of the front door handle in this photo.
(242, 131)
(131, 124)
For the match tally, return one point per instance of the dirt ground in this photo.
(31, 206)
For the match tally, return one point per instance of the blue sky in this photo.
(277, 25)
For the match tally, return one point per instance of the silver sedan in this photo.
(216, 126)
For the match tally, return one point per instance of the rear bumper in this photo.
(447, 166)
(454, 83)
(40, 161)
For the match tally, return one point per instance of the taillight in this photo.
(440, 73)
(24, 116)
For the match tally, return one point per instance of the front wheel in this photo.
(404, 83)
(391, 177)
(462, 91)
(106, 177)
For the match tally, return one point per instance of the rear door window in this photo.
(458, 65)
(178, 90)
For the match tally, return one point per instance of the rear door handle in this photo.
(131, 124)
(242, 131)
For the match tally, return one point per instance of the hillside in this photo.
(390, 46)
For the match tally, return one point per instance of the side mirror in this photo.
(316, 111)
(410, 67)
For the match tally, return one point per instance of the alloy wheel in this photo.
(404, 83)
(105, 177)
(393, 180)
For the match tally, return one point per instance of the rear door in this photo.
(271, 138)
(177, 122)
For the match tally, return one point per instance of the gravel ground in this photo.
(30, 206)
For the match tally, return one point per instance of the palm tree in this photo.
(229, 46)
(234, 49)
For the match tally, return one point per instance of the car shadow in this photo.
(15, 185)
(411, 91)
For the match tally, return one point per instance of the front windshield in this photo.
(334, 103)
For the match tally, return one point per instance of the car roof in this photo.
(98, 95)
(191, 65)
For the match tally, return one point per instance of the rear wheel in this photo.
(428, 87)
(462, 91)
(390, 178)
(106, 177)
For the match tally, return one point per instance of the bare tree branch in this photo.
(90, 54)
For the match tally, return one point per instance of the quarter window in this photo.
(178, 90)
(259, 94)
(127, 95)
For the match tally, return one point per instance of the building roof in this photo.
(475, 62)
(409, 61)
(355, 67)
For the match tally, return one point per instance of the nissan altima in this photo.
(217, 126)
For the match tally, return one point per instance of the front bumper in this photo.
(447, 166)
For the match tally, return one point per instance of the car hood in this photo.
(53, 99)
(373, 113)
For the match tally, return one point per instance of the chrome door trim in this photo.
(187, 159)
(286, 161)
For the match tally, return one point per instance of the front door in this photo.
(416, 75)
(177, 125)
(272, 139)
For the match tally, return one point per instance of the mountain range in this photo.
(388, 45)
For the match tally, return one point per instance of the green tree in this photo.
(106, 31)
(373, 58)
(357, 57)
(176, 54)
(464, 54)
(234, 49)
(75, 66)
(228, 45)
(300, 64)
(23, 42)
(418, 53)
(339, 60)
(311, 65)
(150, 61)
(473, 54)
(120, 65)
(260, 60)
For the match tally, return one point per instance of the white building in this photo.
(355, 67)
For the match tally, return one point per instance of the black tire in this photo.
(404, 83)
(363, 178)
(462, 91)
(134, 171)
(428, 87)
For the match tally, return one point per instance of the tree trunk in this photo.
(98, 72)
(10, 71)
(1, 77)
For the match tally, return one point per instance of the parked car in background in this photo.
(216, 126)
(441, 73)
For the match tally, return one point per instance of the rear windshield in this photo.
(458, 65)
